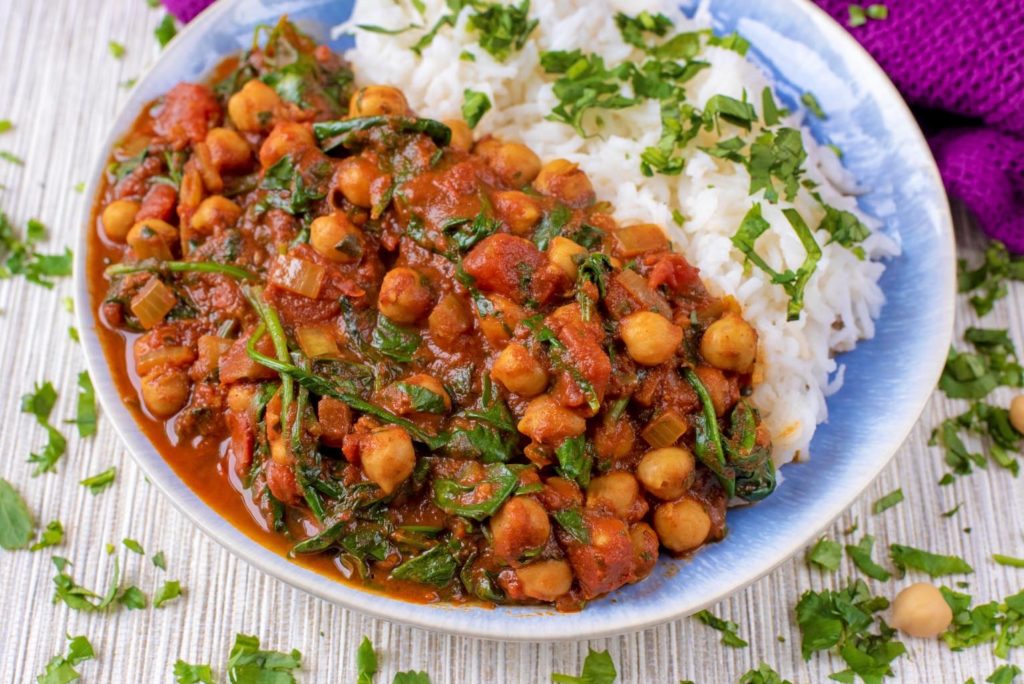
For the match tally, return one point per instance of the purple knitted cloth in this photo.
(962, 59)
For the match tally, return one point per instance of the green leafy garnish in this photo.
(19, 257)
(811, 102)
(288, 189)
(78, 597)
(394, 340)
(5, 125)
(793, 282)
(60, 669)
(584, 84)
(85, 413)
(571, 520)
(598, 668)
(333, 134)
(729, 629)
(503, 28)
(845, 228)
(575, 460)
(134, 546)
(168, 591)
(464, 233)
(159, 560)
(411, 677)
(860, 554)
(248, 664)
(16, 524)
(116, 49)
(856, 16)
(366, 662)
(998, 623)
(992, 422)
(709, 446)
(165, 267)
(1008, 561)
(474, 105)
(888, 501)
(132, 598)
(987, 282)
(826, 554)
(934, 565)
(12, 158)
(422, 399)
(187, 673)
(877, 11)
(165, 30)
(40, 403)
(51, 536)
(436, 566)
(764, 674)
(100, 481)
(972, 375)
(457, 498)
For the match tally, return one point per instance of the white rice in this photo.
(841, 299)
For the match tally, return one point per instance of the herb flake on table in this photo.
(933, 564)
(78, 597)
(984, 420)
(5, 125)
(187, 673)
(52, 535)
(411, 677)
(825, 554)
(168, 591)
(16, 523)
(116, 49)
(997, 622)
(366, 662)
(165, 30)
(159, 560)
(18, 256)
(888, 501)
(987, 283)
(598, 668)
(61, 669)
(132, 598)
(249, 664)
(860, 554)
(12, 158)
(1008, 561)
(729, 629)
(133, 545)
(85, 410)
(100, 481)
(972, 375)
(763, 674)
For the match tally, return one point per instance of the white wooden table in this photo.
(60, 86)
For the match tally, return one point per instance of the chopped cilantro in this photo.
(159, 560)
(132, 598)
(116, 49)
(877, 11)
(998, 623)
(16, 524)
(793, 282)
(79, 187)
(411, 677)
(953, 511)
(598, 668)
(78, 597)
(40, 403)
(845, 228)
(888, 501)
(860, 554)
(934, 565)
(51, 536)
(19, 257)
(187, 673)
(780, 156)
(584, 83)
(366, 662)
(856, 16)
(972, 375)
(100, 481)
(165, 30)
(1009, 561)
(987, 282)
(5, 125)
(169, 590)
(248, 664)
(85, 413)
(811, 102)
(474, 105)
(133, 545)
(825, 554)
(60, 669)
(729, 629)
(12, 158)
(372, 28)
(634, 28)
(764, 674)
(732, 41)
(503, 28)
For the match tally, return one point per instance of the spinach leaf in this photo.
(436, 566)
(288, 189)
(333, 134)
(708, 439)
(575, 460)
(465, 233)
(476, 500)
(480, 582)
(394, 340)
(571, 520)
(474, 105)
(551, 226)
(422, 399)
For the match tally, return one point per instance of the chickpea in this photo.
(252, 108)
(519, 372)
(215, 212)
(449, 319)
(377, 100)
(730, 343)
(562, 179)
(165, 391)
(431, 384)
(228, 150)
(498, 327)
(645, 549)
(921, 611)
(387, 456)
(617, 490)
(682, 525)
(354, 178)
(564, 253)
(287, 137)
(651, 339)
(520, 525)
(152, 238)
(462, 135)
(514, 162)
(520, 212)
(665, 473)
(336, 238)
(118, 218)
(404, 295)
(545, 580)
(548, 422)
(1017, 413)
(723, 393)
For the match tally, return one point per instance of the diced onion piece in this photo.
(299, 276)
(163, 357)
(638, 288)
(211, 348)
(317, 342)
(643, 237)
(153, 302)
(665, 430)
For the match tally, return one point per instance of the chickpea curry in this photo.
(434, 363)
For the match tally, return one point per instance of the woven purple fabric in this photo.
(961, 58)
(186, 10)
(964, 59)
